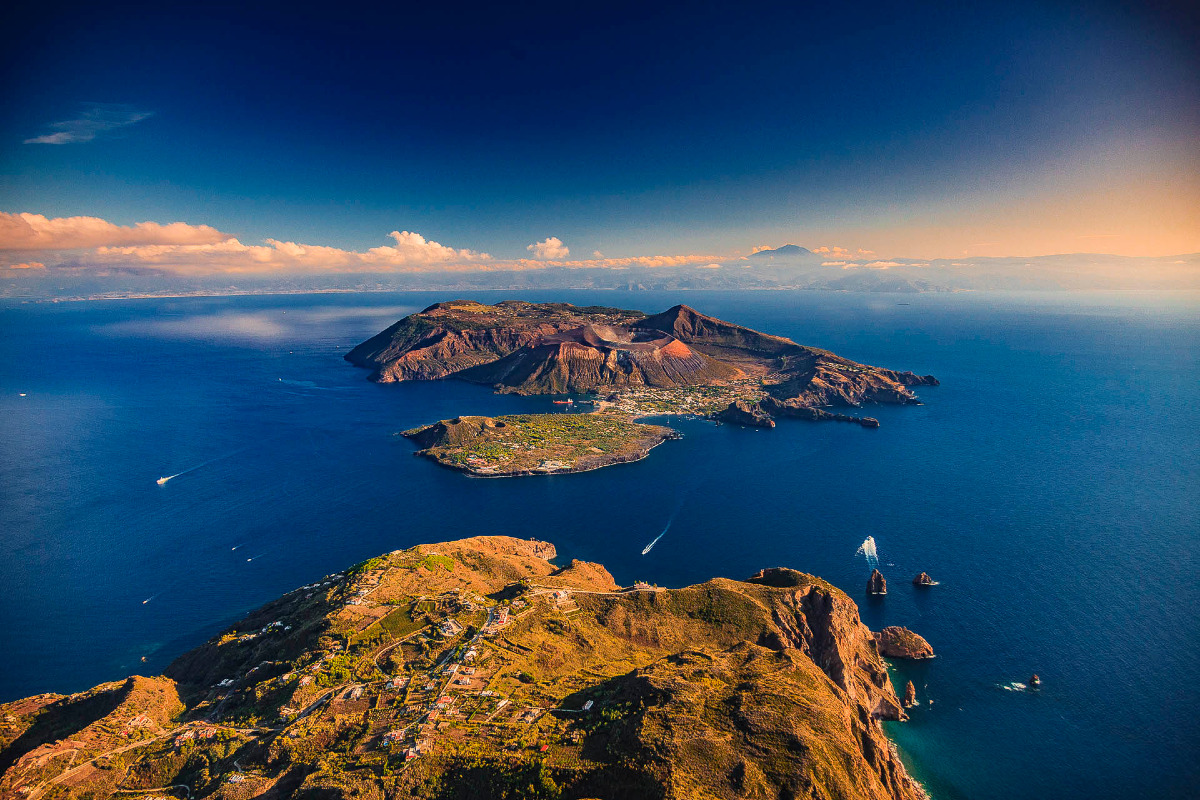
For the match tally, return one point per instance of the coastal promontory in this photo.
(482, 668)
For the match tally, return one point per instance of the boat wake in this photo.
(650, 546)
(670, 522)
(163, 481)
(867, 549)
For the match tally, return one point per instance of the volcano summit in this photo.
(678, 361)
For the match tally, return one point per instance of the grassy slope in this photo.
(725, 689)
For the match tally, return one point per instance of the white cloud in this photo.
(612, 263)
(95, 120)
(843, 252)
(708, 266)
(412, 252)
(597, 254)
(96, 244)
(551, 248)
(37, 232)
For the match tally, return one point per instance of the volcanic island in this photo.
(624, 365)
(481, 668)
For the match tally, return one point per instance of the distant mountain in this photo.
(786, 250)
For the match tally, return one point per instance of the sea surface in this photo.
(1049, 484)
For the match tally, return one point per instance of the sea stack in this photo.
(910, 695)
(923, 580)
(876, 583)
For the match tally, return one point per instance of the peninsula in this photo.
(480, 668)
(678, 362)
(537, 444)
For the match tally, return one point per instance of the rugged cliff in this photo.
(479, 668)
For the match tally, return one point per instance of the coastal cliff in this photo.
(479, 668)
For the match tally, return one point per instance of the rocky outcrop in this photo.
(876, 584)
(923, 579)
(796, 408)
(897, 642)
(750, 415)
(910, 695)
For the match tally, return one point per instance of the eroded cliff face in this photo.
(483, 669)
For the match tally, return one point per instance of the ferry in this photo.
(562, 402)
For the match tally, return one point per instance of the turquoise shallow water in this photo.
(1049, 484)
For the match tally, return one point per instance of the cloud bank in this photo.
(37, 232)
(93, 252)
(411, 252)
(79, 244)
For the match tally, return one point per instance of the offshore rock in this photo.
(876, 584)
(910, 695)
(796, 407)
(751, 415)
(923, 580)
(897, 642)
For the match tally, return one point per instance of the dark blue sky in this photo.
(624, 128)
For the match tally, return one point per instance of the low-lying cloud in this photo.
(411, 252)
(37, 232)
(91, 244)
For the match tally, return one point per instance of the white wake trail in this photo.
(163, 481)
(867, 549)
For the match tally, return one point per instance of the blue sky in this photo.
(909, 130)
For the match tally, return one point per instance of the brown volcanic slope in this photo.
(462, 670)
(549, 348)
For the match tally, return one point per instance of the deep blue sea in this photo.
(1050, 485)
